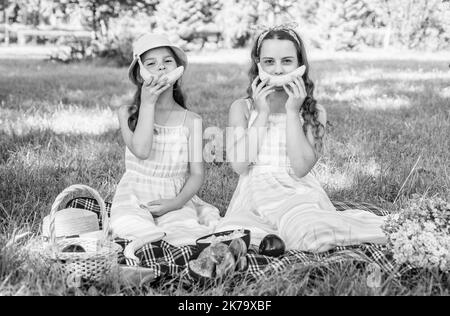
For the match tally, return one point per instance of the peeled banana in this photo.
(279, 81)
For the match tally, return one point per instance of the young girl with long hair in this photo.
(156, 198)
(284, 128)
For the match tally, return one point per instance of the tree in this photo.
(31, 12)
(278, 10)
(305, 12)
(183, 20)
(237, 19)
(413, 23)
(98, 13)
(3, 7)
(340, 23)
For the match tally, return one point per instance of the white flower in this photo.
(420, 233)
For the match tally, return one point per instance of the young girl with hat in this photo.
(277, 192)
(156, 198)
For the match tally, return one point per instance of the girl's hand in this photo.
(160, 207)
(260, 94)
(297, 94)
(151, 90)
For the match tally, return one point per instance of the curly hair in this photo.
(309, 107)
(178, 96)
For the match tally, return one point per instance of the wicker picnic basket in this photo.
(98, 256)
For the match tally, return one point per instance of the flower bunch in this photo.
(420, 234)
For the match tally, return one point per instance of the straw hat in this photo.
(150, 41)
(89, 257)
(71, 222)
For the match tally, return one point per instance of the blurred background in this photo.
(84, 29)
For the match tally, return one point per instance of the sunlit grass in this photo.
(445, 93)
(357, 77)
(63, 120)
(385, 103)
(56, 129)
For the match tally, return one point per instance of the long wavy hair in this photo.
(178, 95)
(308, 109)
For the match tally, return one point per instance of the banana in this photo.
(145, 74)
(172, 76)
(279, 81)
(131, 248)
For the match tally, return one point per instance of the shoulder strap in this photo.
(251, 114)
(249, 107)
(185, 116)
(249, 104)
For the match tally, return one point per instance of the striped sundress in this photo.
(271, 199)
(162, 176)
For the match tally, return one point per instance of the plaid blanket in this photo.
(169, 261)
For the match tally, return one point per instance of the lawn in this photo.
(388, 139)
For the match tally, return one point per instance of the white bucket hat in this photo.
(150, 41)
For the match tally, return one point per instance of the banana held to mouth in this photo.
(172, 76)
(279, 81)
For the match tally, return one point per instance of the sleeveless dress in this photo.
(271, 199)
(162, 176)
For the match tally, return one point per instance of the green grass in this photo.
(56, 130)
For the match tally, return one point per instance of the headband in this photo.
(288, 28)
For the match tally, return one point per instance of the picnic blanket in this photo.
(168, 261)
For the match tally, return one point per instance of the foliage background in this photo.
(210, 24)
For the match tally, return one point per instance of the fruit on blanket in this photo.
(218, 252)
(238, 248)
(242, 264)
(172, 76)
(223, 258)
(202, 267)
(206, 253)
(227, 265)
(215, 261)
(272, 246)
(73, 248)
(279, 81)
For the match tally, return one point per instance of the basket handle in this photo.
(75, 190)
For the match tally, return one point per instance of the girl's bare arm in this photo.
(140, 142)
(196, 170)
(301, 147)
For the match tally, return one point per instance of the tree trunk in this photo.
(6, 20)
(94, 19)
(37, 17)
(103, 28)
(387, 37)
(5, 17)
